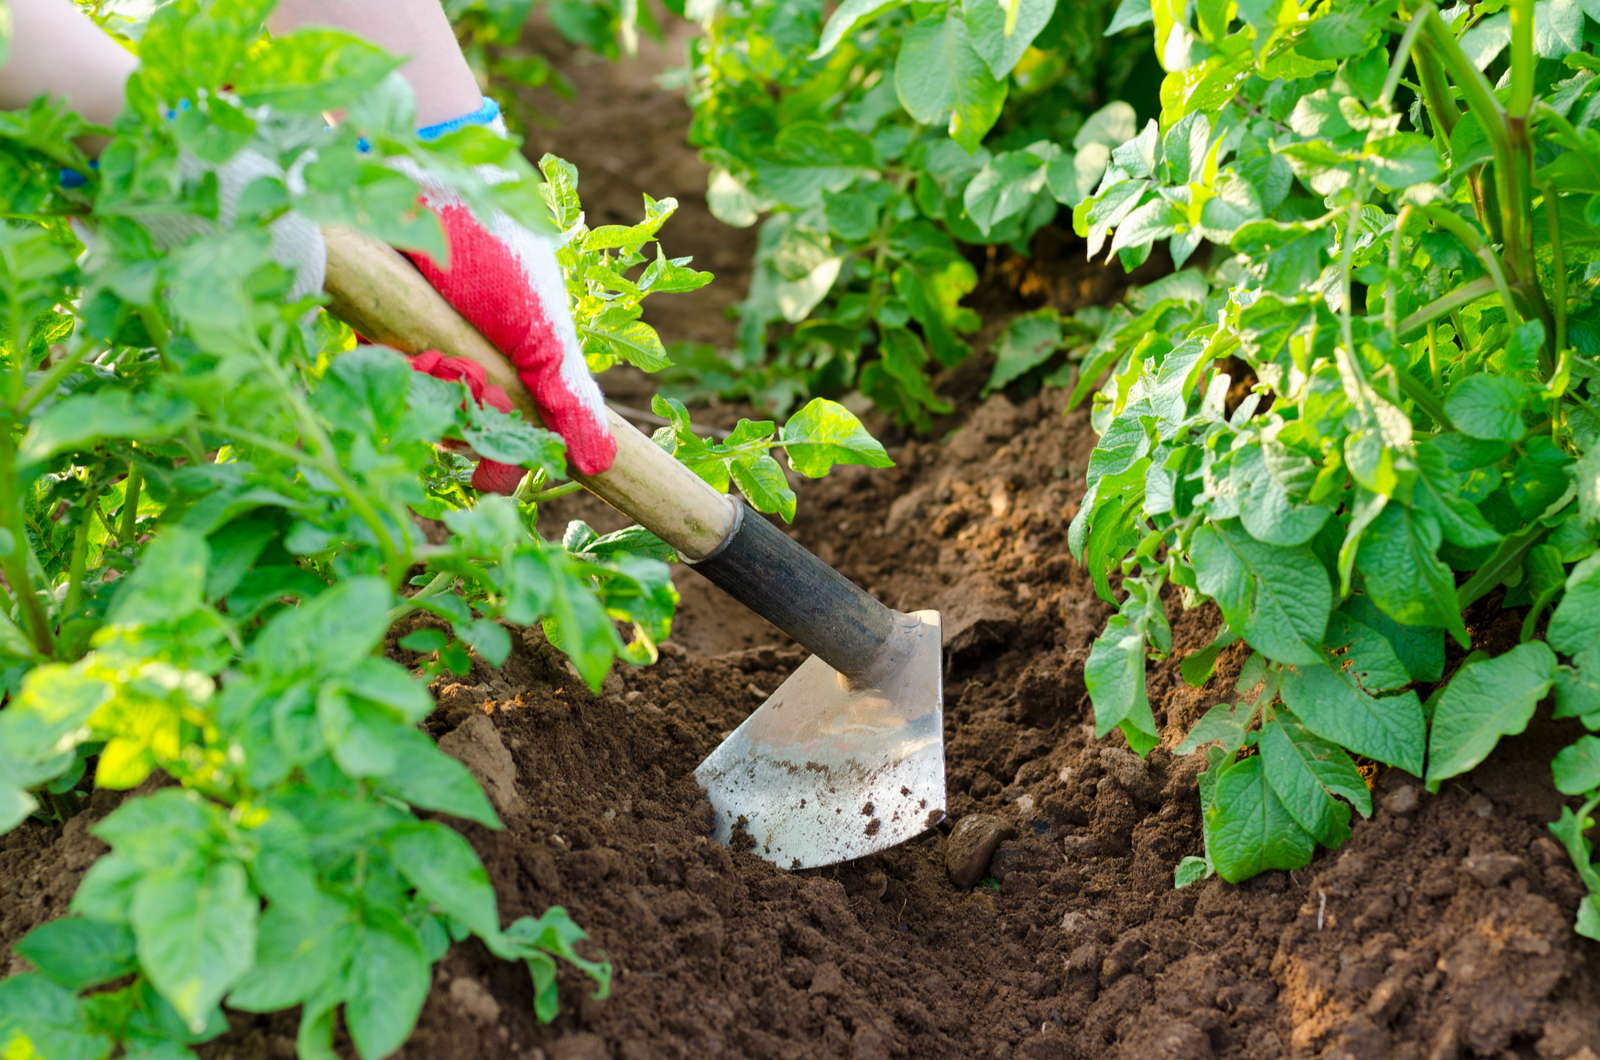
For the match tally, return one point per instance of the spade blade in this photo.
(827, 770)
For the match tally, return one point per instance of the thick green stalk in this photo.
(128, 522)
(1446, 304)
(14, 561)
(1507, 558)
(1513, 155)
(1462, 229)
(1523, 60)
(80, 555)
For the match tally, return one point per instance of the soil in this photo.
(1441, 929)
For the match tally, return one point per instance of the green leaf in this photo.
(1398, 559)
(330, 634)
(300, 948)
(385, 984)
(808, 159)
(824, 434)
(1308, 775)
(1248, 829)
(428, 778)
(551, 935)
(1419, 649)
(1576, 767)
(82, 421)
(77, 952)
(1000, 44)
(761, 479)
(445, 870)
(1330, 704)
(846, 17)
(629, 341)
(311, 70)
(1276, 598)
(513, 440)
(1027, 342)
(1197, 667)
(1488, 406)
(1366, 654)
(1484, 701)
(196, 931)
(1191, 870)
(40, 1020)
(1575, 625)
(1115, 669)
(1005, 187)
(939, 75)
(1225, 723)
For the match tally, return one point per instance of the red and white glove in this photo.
(504, 279)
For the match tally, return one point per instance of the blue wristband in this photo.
(484, 115)
(71, 178)
(487, 114)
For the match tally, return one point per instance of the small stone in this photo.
(1386, 999)
(1076, 921)
(1168, 1039)
(1401, 800)
(1481, 806)
(473, 998)
(476, 744)
(971, 844)
(1131, 772)
(1491, 870)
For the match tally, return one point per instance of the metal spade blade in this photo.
(827, 769)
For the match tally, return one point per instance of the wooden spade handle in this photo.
(379, 293)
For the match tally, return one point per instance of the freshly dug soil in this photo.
(1441, 930)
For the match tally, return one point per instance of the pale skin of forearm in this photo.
(418, 29)
(57, 50)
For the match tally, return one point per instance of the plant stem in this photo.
(1391, 304)
(1505, 559)
(553, 492)
(1523, 60)
(14, 560)
(1408, 42)
(1459, 227)
(441, 583)
(1436, 93)
(80, 555)
(1513, 150)
(320, 448)
(1446, 304)
(133, 484)
(1558, 253)
(52, 378)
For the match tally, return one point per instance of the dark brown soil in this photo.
(1441, 930)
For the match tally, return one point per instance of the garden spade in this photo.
(846, 758)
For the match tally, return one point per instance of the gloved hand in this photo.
(504, 280)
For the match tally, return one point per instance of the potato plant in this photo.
(1367, 426)
(875, 142)
(209, 502)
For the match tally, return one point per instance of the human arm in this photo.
(439, 75)
(57, 50)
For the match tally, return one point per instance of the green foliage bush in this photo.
(878, 142)
(209, 502)
(1370, 422)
